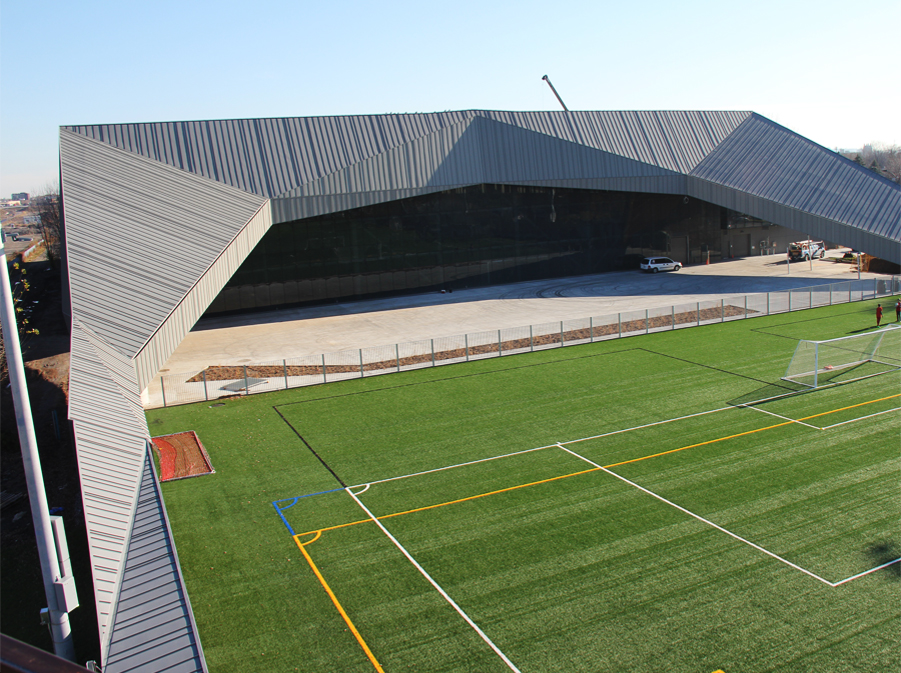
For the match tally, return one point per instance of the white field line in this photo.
(435, 584)
(700, 518)
(451, 467)
(541, 448)
(646, 425)
(784, 418)
(854, 420)
(867, 572)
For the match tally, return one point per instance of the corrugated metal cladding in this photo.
(180, 321)
(147, 230)
(141, 238)
(111, 443)
(272, 156)
(769, 161)
(146, 610)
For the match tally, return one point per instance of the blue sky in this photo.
(827, 70)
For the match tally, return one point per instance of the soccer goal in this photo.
(820, 363)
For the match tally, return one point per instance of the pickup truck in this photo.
(804, 250)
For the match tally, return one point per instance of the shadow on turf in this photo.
(767, 392)
(885, 551)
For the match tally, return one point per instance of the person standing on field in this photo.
(878, 314)
(898, 311)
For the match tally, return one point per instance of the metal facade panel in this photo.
(766, 160)
(110, 441)
(268, 156)
(148, 230)
(675, 140)
(154, 629)
(784, 215)
(184, 316)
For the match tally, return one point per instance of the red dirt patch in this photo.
(182, 456)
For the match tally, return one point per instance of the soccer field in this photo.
(664, 502)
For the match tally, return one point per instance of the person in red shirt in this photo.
(878, 314)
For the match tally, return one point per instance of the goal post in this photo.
(819, 363)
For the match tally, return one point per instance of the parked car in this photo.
(655, 264)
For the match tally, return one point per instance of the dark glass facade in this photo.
(468, 237)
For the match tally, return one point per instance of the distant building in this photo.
(21, 196)
(31, 219)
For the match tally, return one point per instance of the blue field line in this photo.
(293, 501)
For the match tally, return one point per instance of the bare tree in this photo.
(49, 207)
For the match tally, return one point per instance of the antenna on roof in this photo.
(545, 78)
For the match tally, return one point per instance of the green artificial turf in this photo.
(571, 552)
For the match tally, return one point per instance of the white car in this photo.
(655, 264)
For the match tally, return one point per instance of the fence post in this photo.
(324, 377)
(591, 329)
(466, 345)
(789, 301)
(531, 341)
(722, 310)
(746, 306)
(397, 355)
(619, 322)
(206, 394)
(810, 299)
(246, 384)
(830, 294)
(285, 370)
(562, 343)
(163, 388)
(674, 317)
(500, 350)
(433, 352)
(647, 323)
(767, 303)
(849, 291)
(699, 314)
(361, 363)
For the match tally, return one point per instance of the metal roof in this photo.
(158, 216)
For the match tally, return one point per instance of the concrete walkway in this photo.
(262, 337)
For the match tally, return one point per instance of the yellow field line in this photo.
(594, 469)
(334, 598)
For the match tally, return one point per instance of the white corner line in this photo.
(365, 488)
(700, 518)
(862, 418)
(866, 572)
(435, 584)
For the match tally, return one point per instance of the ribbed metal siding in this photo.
(110, 443)
(268, 156)
(766, 160)
(786, 216)
(139, 234)
(153, 608)
(675, 140)
(180, 321)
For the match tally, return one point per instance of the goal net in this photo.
(819, 363)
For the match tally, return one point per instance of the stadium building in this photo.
(165, 222)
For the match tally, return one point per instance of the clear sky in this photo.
(826, 69)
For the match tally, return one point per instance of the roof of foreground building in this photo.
(220, 185)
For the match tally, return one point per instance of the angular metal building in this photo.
(160, 217)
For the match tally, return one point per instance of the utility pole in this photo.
(59, 586)
(545, 78)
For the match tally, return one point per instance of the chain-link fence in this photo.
(224, 381)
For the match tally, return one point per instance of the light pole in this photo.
(59, 587)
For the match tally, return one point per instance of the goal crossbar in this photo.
(817, 363)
